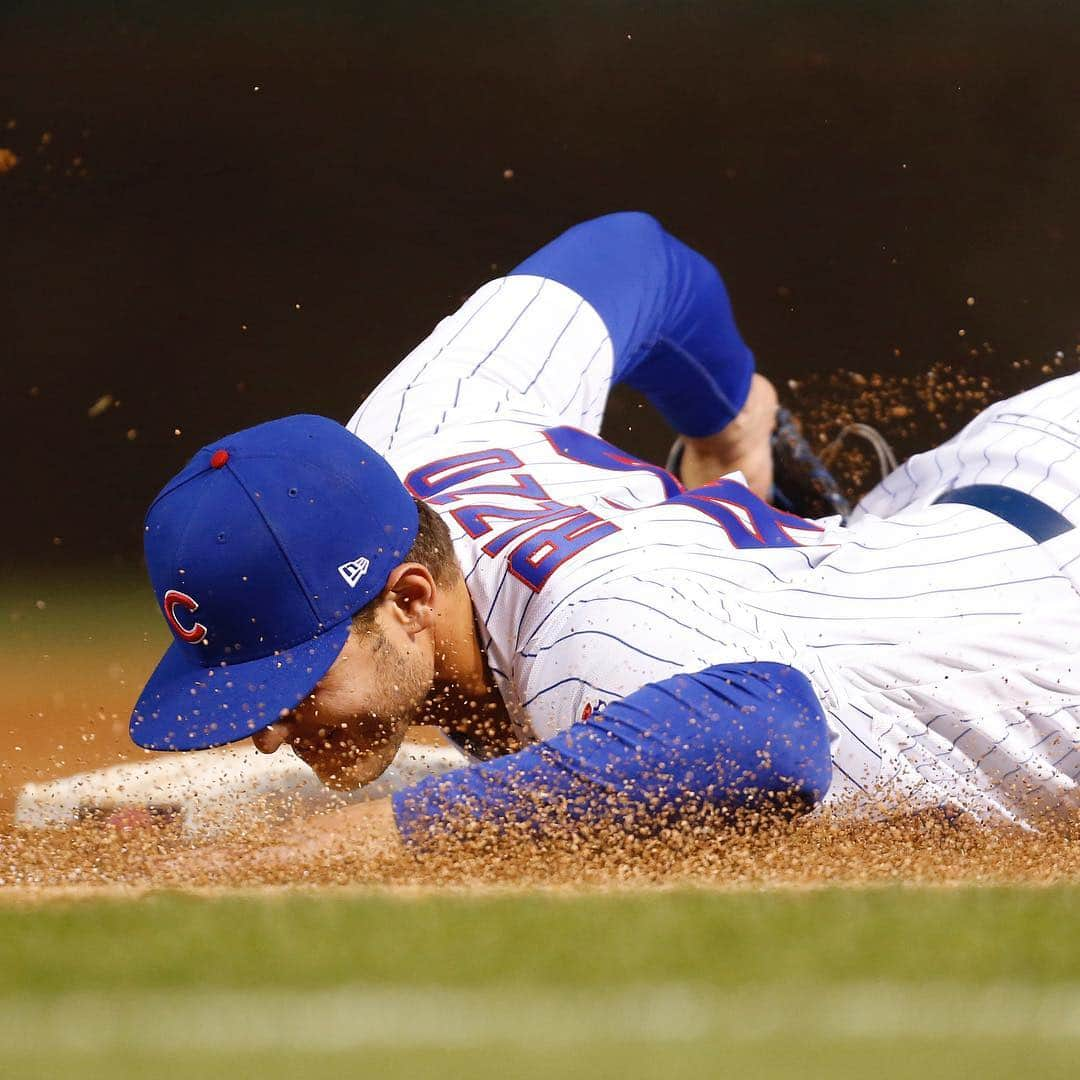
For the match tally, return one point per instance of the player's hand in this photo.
(744, 444)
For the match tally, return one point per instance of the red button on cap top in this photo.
(219, 458)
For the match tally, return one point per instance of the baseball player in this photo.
(596, 632)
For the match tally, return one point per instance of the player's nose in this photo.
(271, 738)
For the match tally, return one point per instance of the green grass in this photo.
(881, 983)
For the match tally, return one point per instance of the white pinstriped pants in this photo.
(1030, 442)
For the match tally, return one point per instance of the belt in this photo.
(1020, 510)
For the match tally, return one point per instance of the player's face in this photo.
(350, 727)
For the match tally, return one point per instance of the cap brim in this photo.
(188, 707)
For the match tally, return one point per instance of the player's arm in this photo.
(615, 299)
(735, 736)
(673, 337)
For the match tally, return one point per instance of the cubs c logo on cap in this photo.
(171, 601)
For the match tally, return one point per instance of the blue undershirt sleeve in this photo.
(735, 736)
(666, 310)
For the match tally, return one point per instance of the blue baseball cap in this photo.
(260, 551)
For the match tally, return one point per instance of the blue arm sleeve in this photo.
(732, 736)
(667, 311)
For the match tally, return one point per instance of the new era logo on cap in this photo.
(353, 570)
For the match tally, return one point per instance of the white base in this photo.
(208, 789)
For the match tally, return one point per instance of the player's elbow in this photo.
(633, 231)
(740, 737)
(777, 754)
(792, 770)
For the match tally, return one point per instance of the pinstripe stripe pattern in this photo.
(942, 642)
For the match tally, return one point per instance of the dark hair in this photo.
(432, 548)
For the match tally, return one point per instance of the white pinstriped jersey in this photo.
(942, 641)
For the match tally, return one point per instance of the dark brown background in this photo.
(856, 170)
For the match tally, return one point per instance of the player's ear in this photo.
(410, 592)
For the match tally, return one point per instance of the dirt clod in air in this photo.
(914, 412)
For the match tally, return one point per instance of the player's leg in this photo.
(1019, 458)
(976, 701)
(1029, 443)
